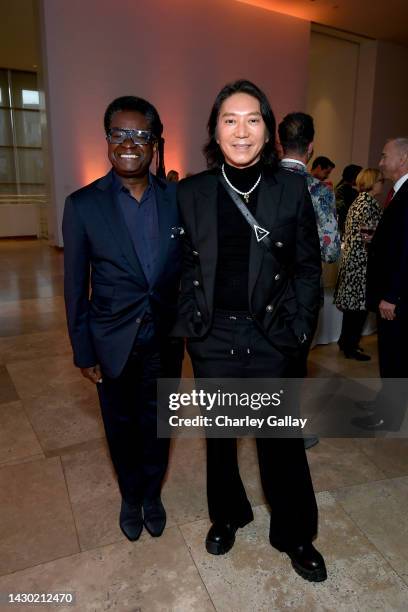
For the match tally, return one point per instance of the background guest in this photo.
(321, 169)
(346, 193)
(172, 176)
(350, 293)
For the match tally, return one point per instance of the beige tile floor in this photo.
(59, 499)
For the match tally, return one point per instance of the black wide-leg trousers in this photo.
(235, 348)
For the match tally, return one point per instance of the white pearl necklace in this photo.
(245, 194)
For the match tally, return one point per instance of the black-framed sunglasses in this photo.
(138, 137)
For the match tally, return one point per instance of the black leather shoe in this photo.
(220, 539)
(373, 423)
(131, 520)
(357, 355)
(308, 563)
(154, 516)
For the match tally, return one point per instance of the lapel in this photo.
(116, 223)
(270, 192)
(206, 226)
(166, 220)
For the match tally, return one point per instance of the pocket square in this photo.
(176, 232)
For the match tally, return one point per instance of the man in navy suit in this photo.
(387, 294)
(121, 240)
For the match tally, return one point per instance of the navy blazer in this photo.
(387, 267)
(99, 254)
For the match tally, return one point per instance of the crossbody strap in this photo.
(261, 234)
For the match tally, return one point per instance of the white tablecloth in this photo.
(330, 319)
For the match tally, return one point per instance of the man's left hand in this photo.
(387, 310)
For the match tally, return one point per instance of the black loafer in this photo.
(308, 563)
(220, 539)
(154, 516)
(131, 520)
(373, 423)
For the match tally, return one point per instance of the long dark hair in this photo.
(211, 149)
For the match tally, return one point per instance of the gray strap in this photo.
(261, 234)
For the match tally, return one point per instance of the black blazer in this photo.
(284, 285)
(98, 251)
(387, 266)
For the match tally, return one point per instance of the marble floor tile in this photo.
(36, 522)
(254, 576)
(66, 414)
(17, 438)
(249, 470)
(39, 376)
(23, 308)
(155, 575)
(389, 455)
(94, 496)
(34, 346)
(380, 511)
(8, 392)
(13, 325)
(337, 462)
(184, 491)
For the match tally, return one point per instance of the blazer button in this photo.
(196, 283)
(138, 320)
(198, 313)
(279, 244)
(277, 276)
(269, 308)
(195, 253)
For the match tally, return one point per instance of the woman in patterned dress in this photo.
(350, 292)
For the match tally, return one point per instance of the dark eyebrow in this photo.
(233, 114)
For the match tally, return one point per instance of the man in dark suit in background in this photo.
(387, 293)
(119, 239)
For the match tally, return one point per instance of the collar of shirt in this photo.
(400, 182)
(293, 161)
(119, 186)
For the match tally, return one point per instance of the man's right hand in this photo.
(93, 374)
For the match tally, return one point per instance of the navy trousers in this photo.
(129, 412)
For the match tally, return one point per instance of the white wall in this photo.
(389, 116)
(331, 101)
(176, 54)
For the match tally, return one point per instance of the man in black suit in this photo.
(119, 240)
(387, 293)
(250, 311)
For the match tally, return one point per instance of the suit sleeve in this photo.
(76, 285)
(307, 270)
(398, 258)
(186, 302)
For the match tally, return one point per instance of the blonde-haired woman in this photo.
(350, 293)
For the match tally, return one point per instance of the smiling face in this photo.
(130, 160)
(241, 131)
